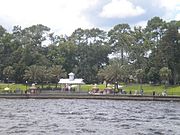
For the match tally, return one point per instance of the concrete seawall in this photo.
(87, 96)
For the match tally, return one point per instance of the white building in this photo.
(71, 81)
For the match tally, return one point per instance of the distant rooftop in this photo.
(71, 80)
(67, 81)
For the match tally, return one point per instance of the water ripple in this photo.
(81, 117)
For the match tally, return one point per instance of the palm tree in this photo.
(114, 73)
(56, 72)
(8, 72)
(31, 73)
(43, 74)
(165, 74)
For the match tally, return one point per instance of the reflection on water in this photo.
(95, 117)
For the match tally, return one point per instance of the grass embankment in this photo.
(12, 87)
(148, 89)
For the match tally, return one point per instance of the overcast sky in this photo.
(64, 16)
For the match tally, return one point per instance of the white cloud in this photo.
(172, 8)
(63, 16)
(169, 4)
(121, 9)
(177, 17)
(143, 24)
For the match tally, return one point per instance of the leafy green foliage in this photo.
(31, 53)
(165, 74)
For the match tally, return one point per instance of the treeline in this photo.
(123, 54)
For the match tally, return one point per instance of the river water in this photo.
(83, 117)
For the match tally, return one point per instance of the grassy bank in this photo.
(13, 87)
(148, 89)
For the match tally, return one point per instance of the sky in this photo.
(64, 16)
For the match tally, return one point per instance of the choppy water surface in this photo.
(95, 117)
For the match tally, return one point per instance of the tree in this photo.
(115, 72)
(86, 51)
(42, 74)
(31, 73)
(154, 31)
(111, 73)
(140, 73)
(138, 54)
(92, 53)
(170, 48)
(8, 72)
(153, 75)
(67, 55)
(32, 42)
(6, 49)
(57, 72)
(156, 28)
(2, 33)
(165, 74)
(120, 39)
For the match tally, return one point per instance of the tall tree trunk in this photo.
(140, 84)
(174, 75)
(122, 56)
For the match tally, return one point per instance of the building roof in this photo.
(72, 74)
(68, 81)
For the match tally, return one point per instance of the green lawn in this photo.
(12, 86)
(148, 89)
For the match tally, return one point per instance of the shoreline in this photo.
(88, 96)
